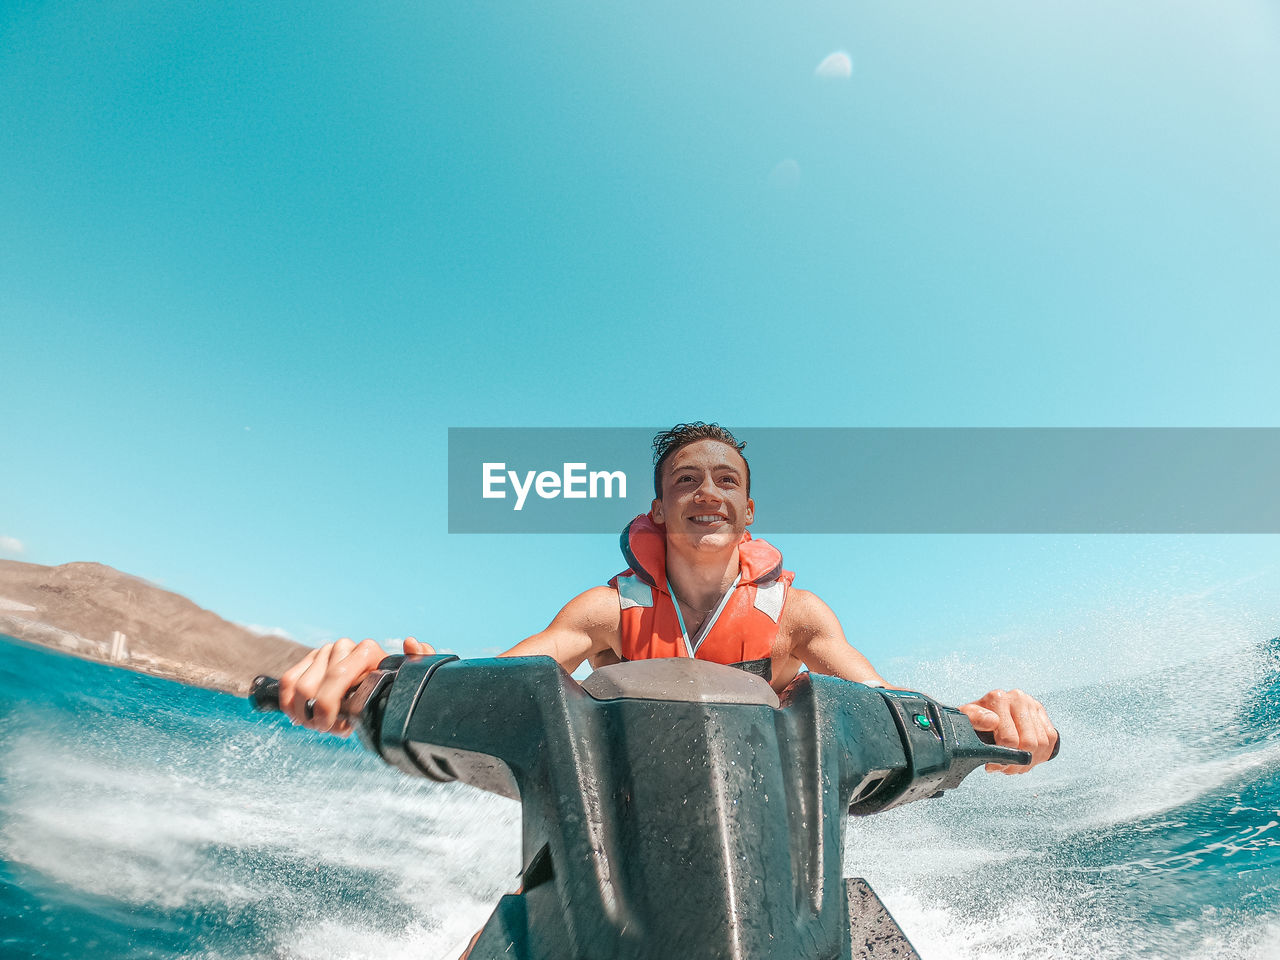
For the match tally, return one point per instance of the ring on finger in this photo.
(309, 708)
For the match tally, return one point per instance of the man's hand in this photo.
(311, 691)
(1018, 720)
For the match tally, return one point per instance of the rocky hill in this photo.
(93, 611)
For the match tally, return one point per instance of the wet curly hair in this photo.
(681, 435)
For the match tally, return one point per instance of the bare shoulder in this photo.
(804, 618)
(806, 613)
(591, 610)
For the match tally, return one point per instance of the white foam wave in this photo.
(250, 825)
(1032, 930)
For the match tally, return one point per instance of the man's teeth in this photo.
(707, 518)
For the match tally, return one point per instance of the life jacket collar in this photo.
(644, 546)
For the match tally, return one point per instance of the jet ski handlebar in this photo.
(901, 745)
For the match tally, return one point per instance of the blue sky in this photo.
(254, 262)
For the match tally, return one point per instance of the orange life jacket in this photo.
(741, 629)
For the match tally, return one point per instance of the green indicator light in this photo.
(922, 721)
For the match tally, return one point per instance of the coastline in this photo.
(94, 612)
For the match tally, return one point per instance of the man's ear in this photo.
(751, 511)
(655, 511)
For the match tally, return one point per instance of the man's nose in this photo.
(707, 490)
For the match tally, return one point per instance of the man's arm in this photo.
(818, 640)
(585, 627)
(1015, 718)
(311, 691)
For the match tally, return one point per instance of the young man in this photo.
(698, 585)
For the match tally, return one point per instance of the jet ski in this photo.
(672, 808)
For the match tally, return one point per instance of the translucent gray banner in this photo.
(887, 480)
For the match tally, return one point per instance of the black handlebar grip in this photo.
(987, 737)
(264, 694)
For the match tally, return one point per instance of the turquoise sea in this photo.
(140, 818)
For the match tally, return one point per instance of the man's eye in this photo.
(728, 479)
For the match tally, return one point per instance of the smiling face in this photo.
(704, 502)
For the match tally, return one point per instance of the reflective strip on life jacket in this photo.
(633, 592)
